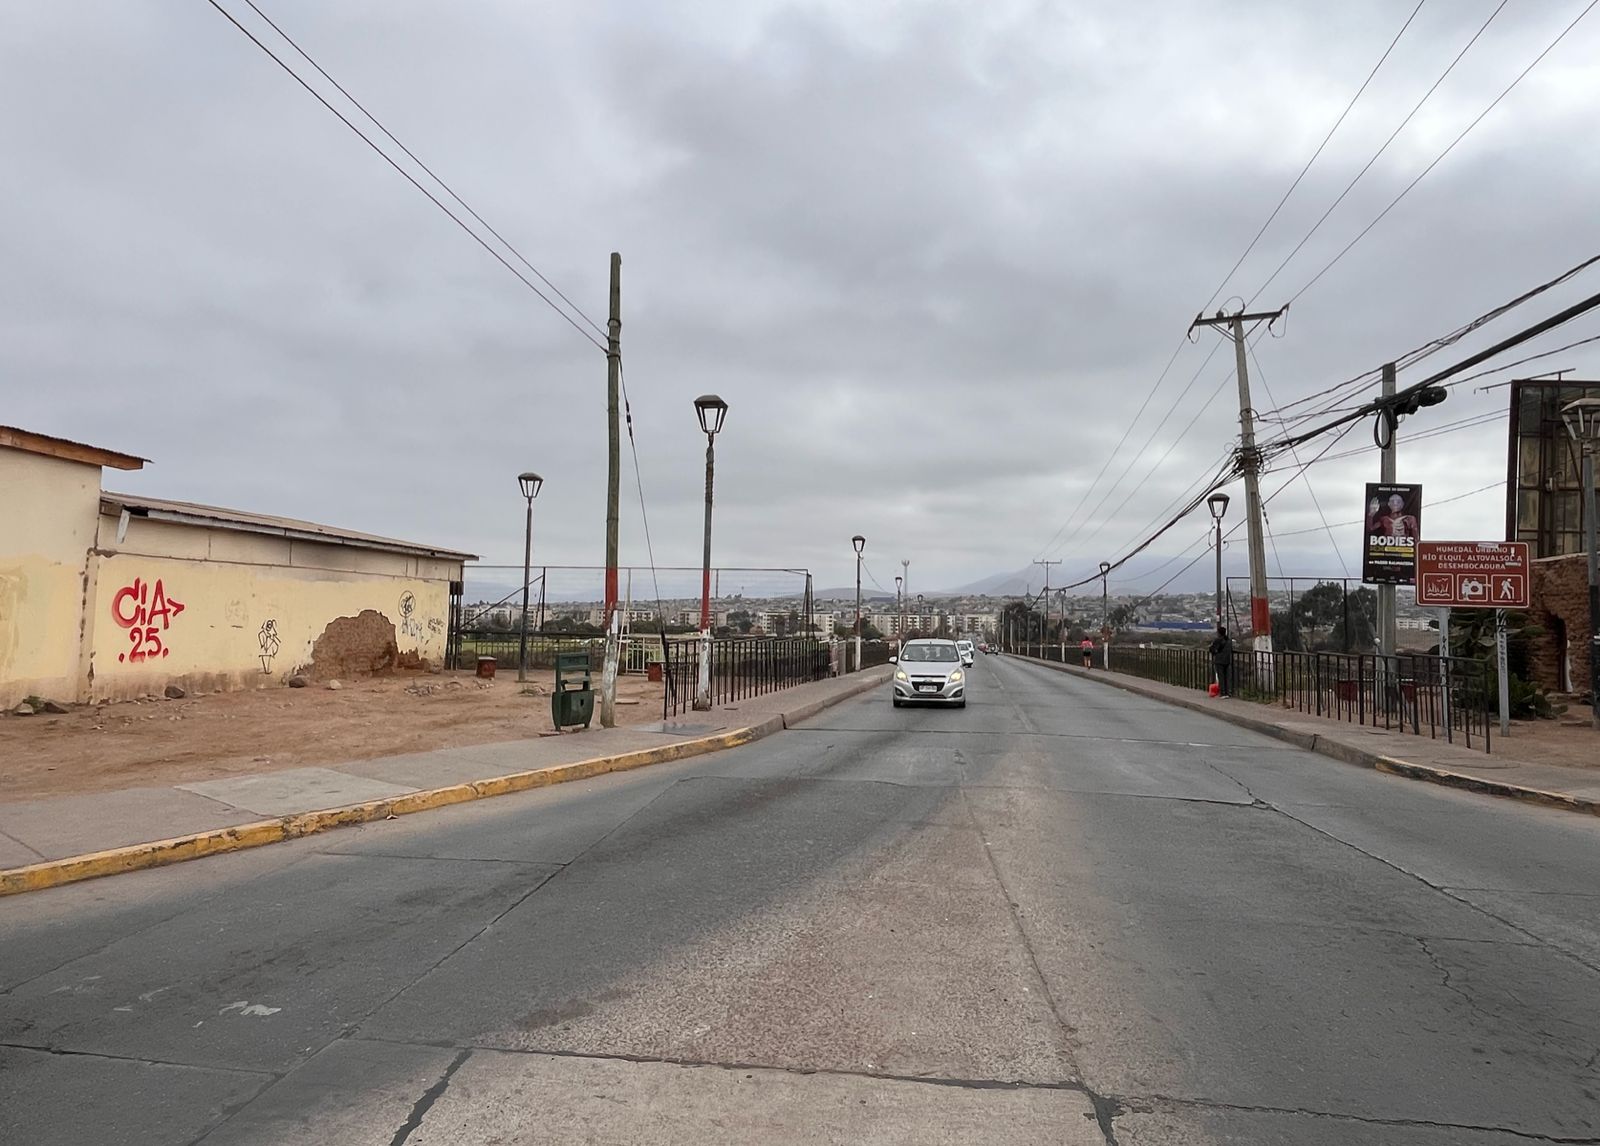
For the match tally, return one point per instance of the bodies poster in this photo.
(1393, 527)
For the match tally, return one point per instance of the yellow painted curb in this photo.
(72, 869)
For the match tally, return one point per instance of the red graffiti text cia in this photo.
(146, 612)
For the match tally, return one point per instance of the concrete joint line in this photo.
(198, 845)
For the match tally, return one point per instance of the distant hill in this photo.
(1001, 584)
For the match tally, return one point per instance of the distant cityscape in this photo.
(974, 615)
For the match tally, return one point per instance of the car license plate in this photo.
(927, 688)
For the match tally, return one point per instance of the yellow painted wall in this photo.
(201, 619)
(48, 511)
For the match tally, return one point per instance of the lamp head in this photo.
(1218, 504)
(1583, 419)
(1105, 567)
(859, 542)
(531, 483)
(711, 410)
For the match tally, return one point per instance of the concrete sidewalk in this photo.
(222, 815)
(1513, 770)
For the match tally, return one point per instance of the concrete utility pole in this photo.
(1044, 599)
(608, 673)
(1250, 463)
(1388, 627)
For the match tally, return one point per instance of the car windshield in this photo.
(928, 653)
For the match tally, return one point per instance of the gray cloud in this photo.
(934, 256)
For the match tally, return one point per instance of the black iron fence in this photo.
(872, 653)
(743, 667)
(1417, 693)
(504, 647)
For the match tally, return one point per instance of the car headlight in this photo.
(900, 674)
(955, 677)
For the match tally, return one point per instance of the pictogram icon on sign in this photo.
(1508, 589)
(1438, 587)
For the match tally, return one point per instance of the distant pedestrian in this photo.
(1222, 660)
(1086, 646)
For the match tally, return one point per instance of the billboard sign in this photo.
(1473, 574)
(1393, 527)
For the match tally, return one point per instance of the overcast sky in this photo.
(934, 255)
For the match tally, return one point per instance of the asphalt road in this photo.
(1065, 914)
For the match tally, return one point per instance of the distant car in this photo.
(983, 646)
(929, 672)
(967, 652)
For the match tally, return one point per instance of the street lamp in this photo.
(921, 618)
(531, 483)
(711, 410)
(1583, 423)
(860, 543)
(899, 609)
(1218, 504)
(1105, 615)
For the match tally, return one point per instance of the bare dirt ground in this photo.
(156, 742)
(1569, 739)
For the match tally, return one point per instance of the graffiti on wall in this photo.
(147, 612)
(267, 638)
(410, 625)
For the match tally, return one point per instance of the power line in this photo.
(1134, 459)
(1437, 159)
(1314, 155)
(1523, 361)
(1267, 386)
(1431, 505)
(431, 173)
(1415, 355)
(1436, 431)
(1554, 321)
(387, 158)
(1375, 156)
(1045, 550)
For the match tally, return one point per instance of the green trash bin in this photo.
(573, 699)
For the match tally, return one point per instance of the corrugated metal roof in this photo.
(50, 446)
(191, 513)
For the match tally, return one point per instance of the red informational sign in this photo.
(1473, 574)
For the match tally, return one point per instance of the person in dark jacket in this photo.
(1222, 660)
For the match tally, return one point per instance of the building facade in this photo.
(107, 596)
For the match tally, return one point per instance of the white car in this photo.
(929, 672)
(968, 652)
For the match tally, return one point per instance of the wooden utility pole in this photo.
(608, 674)
(1250, 464)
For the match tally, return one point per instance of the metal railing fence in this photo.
(1419, 693)
(743, 667)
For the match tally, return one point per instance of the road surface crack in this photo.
(425, 1103)
(1145, 1102)
(1444, 890)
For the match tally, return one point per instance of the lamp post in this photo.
(531, 483)
(711, 410)
(1583, 423)
(1218, 504)
(1105, 615)
(860, 543)
(921, 619)
(899, 609)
